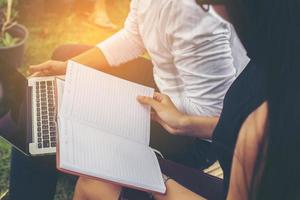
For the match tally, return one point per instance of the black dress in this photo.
(246, 94)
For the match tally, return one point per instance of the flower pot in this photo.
(2, 107)
(13, 56)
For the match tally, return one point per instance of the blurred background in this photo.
(51, 23)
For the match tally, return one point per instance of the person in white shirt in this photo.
(195, 54)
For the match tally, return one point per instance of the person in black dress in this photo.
(257, 137)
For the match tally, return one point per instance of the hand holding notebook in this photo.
(104, 132)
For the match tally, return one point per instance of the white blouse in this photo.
(196, 55)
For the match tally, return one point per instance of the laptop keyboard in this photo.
(45, 107)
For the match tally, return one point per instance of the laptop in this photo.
(28, 118)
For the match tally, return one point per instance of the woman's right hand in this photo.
(48, 68)
(166, 113)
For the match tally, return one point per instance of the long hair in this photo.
(270, 31)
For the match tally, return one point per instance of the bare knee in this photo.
(88, 189)
(80, 190)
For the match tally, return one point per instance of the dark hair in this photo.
(270, 31)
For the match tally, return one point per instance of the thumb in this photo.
(158, 96)
(149, 101)
(35, 74)
(165, 125)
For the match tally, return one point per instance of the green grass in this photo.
(4, 165)
(46, 34)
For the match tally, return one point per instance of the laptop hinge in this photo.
(29, 114)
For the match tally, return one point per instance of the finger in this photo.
(168, 128)
(41, 67)
(36, 74)
(149, 101)
(161, 97)
(153, 113)
(154, 116)
(158, 96)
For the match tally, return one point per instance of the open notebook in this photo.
(103, 132)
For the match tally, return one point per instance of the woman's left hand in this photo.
(166, 113)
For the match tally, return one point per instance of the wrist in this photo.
(185, 123)
(64, 67)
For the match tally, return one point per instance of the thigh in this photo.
(94, 189)
(32, 177)
(195, 180)
(185, 150)
(203, 184)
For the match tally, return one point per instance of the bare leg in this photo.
(176, 191)
(88, 189)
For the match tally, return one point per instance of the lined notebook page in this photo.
(90, 151)
(106, 102)
(60, 84)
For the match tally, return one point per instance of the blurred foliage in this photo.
(4, 165)
(8, 15)
(3, 3)
(7, 40)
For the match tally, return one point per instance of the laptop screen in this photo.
(13, 106)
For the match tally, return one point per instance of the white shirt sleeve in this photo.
(200, 45)
(126, 44)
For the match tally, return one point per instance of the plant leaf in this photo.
(8, 40)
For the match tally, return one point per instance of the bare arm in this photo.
(201, 127)
(93, 58)
(248, 143)
(245, 154)
(176, 122)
